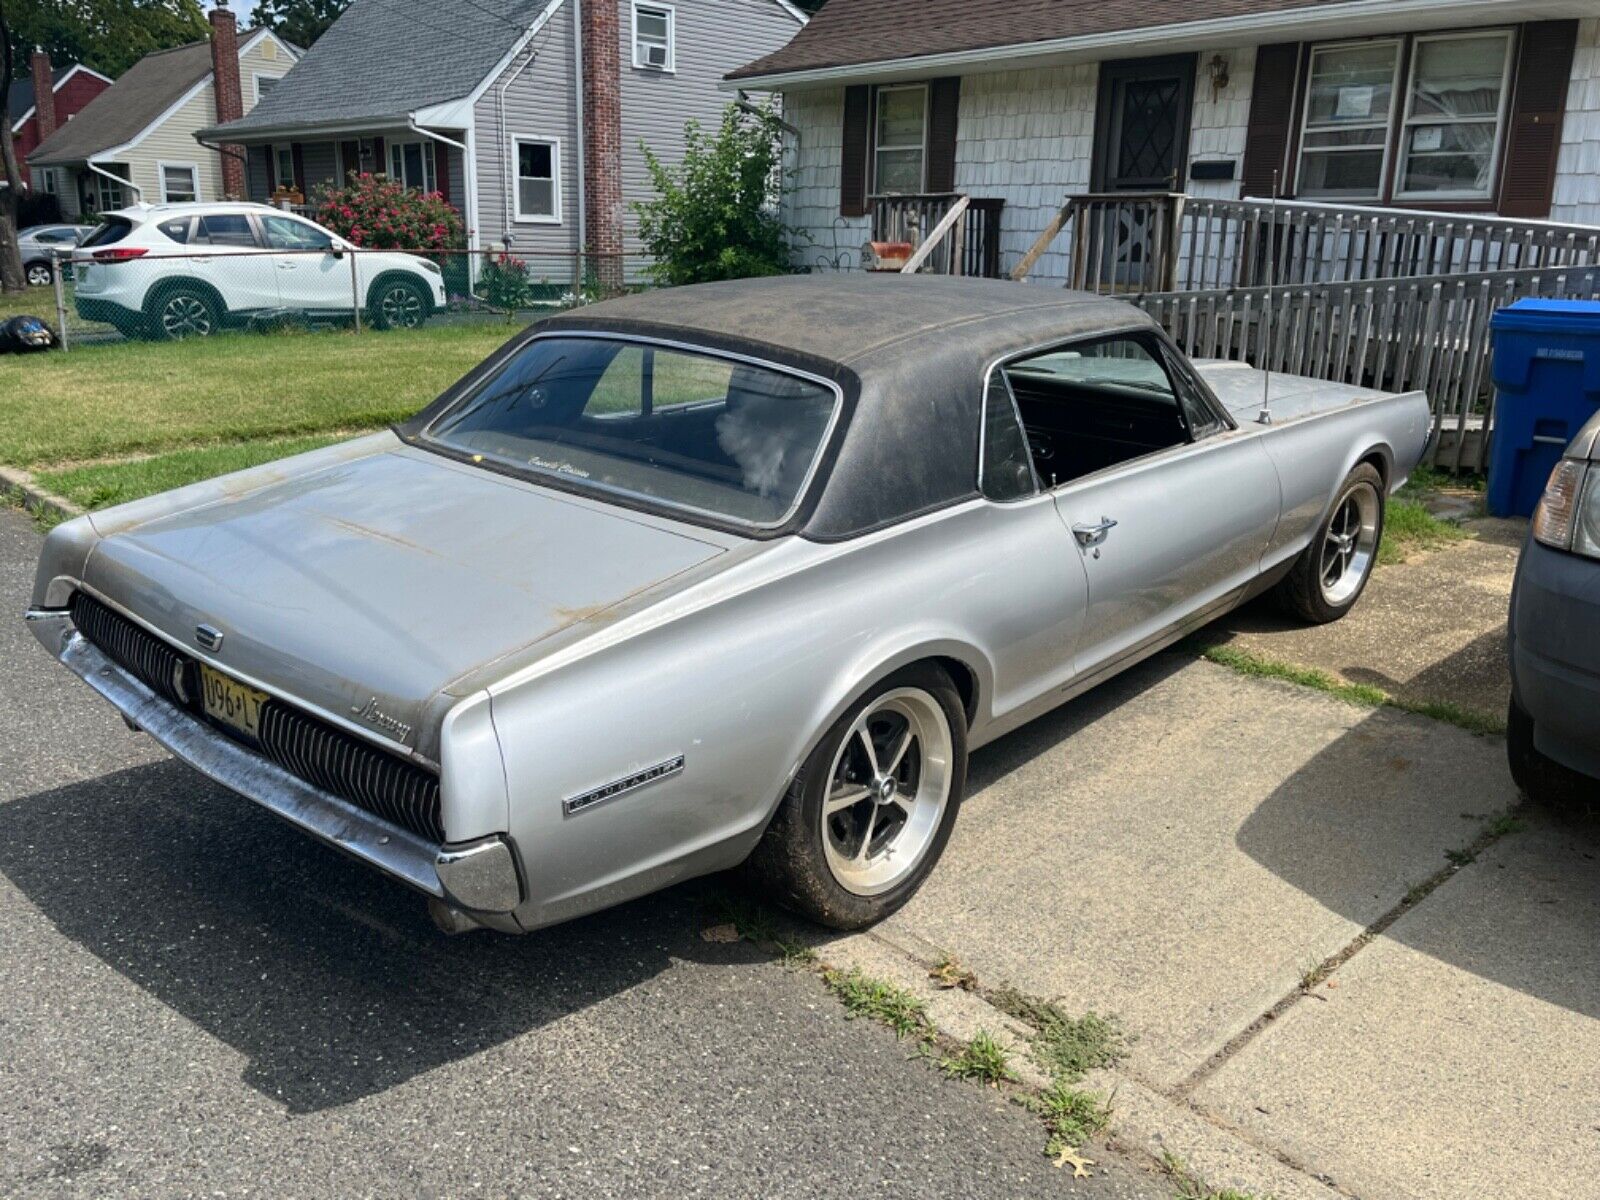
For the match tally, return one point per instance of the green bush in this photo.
(714, 215)
(375, 212)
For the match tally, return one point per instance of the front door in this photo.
(1141, 145)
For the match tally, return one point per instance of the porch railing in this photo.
(1160, 241)
(1429, 333)
(970, 248)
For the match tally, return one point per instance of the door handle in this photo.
(1093, 535)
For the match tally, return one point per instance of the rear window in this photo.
(719, 436)
(114, 229)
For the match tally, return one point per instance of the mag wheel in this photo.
(1332, 572)
(870, 811)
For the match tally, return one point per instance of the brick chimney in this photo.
(602, 139)
(44, 95)
(225, 86)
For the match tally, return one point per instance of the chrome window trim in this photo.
(602, 491)
(365, 733)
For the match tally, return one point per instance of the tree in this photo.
(298, 21)
(108, 35)
(11, 277)
(714, 215)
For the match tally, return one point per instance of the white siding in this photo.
(1221, 121)
(824, 240)
(1577, 193)
(711, 38)
(540, 102)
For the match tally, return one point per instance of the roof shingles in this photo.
(856, 32)
(121, 112)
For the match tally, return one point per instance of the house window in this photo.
(900, 139)
(107, 192)
(411, 163)
(265, 83)
(538, 179)
(47, 180)
(180, 183)
(1344, 147)
(653, 37)
(1410, 118)
(1455, 110)
(282, 167)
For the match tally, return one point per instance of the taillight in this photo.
(1554, 518)
(119, 254)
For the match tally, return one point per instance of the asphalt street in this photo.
(197, 1000)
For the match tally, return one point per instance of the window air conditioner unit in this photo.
(655, 56)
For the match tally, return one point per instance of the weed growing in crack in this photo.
(1072, 1115)
(983, 1059)
(879, 1000)
(1066, 1046)
(1190, 1188)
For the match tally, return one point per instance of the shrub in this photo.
(374, 211)
(713, 216)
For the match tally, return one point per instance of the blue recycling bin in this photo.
(1547, 384)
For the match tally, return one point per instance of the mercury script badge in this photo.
(371, 713)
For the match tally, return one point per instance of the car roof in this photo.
(870, 322)
(154, 212)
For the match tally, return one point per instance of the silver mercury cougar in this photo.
(721, 575)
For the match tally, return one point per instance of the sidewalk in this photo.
(1341, 968)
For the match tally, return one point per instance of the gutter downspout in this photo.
(138, 191)
(583, 214)
(469, 183)
(509, 212)
(221, 149)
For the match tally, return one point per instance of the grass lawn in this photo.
(99, 485)
(127, 398)
(41, 302)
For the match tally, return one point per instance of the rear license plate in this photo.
(231, 702)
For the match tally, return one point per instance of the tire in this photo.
(397, 303)
(182, 310)
(38, 274)
(1539, 777)
(1332, 572)
(810, 859)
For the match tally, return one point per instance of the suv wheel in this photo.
(398, 304)
(182, 311)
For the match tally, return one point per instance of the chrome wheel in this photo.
(39, 274)
(1350, 544)
(186, 315)
(400, 307)
(887, 791)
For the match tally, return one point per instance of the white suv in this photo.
(188, 270)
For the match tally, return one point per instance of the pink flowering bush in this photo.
(374, 211)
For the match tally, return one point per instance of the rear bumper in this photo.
(106, 312)
(1555, 653)
(476, 877)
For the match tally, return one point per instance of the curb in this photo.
(35, 497)
(1145, 1123)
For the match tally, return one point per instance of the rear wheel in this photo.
(39, 274)
(398, 304)
(871, 809)
(1332, 572)
(181, 311)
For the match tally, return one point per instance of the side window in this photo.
(226, 229)
(285, 233)
(1203, 418)
(177, 229)
(1007, 467)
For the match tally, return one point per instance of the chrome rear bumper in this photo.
(478, 877)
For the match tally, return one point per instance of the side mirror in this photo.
(336, 252)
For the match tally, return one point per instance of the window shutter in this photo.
(853, 156)
(272, 171)
(1266, 140)
(1533, 135)
(944, 103)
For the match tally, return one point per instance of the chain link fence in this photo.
(133, 291)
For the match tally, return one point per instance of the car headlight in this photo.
(1568, 516)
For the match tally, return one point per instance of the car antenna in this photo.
(1264, 417)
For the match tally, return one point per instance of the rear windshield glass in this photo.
(114, 230)
(695, 431)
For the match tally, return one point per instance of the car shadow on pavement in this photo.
(328, 978)
(1397, 799)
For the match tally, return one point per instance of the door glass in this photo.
(1007, 469)
(226, 229)
(285, 233)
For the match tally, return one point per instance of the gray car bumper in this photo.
(1555, 653)
(478, 877)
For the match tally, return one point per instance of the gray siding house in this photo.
(527, 115)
